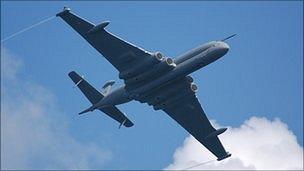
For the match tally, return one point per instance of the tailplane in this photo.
(94, 96)
(89, 91)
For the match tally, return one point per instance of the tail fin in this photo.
(89, 91)
(107, 87)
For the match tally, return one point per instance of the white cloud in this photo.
(9, 65)
(258, 143)
(34, 132)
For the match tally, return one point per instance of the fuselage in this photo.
(186, 63)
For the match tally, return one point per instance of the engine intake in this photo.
(159, 56)
(194, 87)
(170, 62)
(189, 79)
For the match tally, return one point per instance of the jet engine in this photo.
(159, 56)
(157, 70)
(170, 62)
(193, 87)
(189, 79)
(150, 61)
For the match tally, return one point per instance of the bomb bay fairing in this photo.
(151, 78)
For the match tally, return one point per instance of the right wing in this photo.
(114, 49)
(179, 101)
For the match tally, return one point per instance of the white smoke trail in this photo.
(27, 28)
(203, 163)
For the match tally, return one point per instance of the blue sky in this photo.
(262, 74)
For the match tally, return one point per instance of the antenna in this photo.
(223, 40)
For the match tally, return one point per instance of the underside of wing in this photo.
(191, 117)
(117, 51)
(179, 101)
(135, 65)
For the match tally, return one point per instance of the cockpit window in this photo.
(215, 44)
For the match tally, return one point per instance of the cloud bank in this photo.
(34, 132)
(258, 143)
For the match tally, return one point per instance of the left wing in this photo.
(179, 101)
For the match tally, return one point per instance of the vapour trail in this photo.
(203, 163)
(27, 28)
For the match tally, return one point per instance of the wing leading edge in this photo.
(135, 65)
(190, 115)
(121, 54)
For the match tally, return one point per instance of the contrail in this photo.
(198, 165)
(27, 28)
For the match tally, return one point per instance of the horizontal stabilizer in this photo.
(117, 115)
(95, 96)
(90, 109)
(89, 91)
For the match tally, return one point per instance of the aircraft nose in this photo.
(225, 47)
(221, 48)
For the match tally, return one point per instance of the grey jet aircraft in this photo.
(150, 78)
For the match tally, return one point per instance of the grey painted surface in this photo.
(151, 78)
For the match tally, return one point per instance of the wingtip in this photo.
(71, 73)
(65, 11)
(224, 157)
(128, 124)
